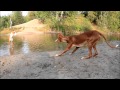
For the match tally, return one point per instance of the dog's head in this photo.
(61, 38)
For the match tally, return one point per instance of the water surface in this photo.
(35, 43)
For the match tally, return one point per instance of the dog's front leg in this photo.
(74, 50)
(68, 48)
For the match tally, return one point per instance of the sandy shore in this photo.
(43, 65)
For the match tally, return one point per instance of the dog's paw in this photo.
(83, 58)
(57, 55)
(117, 45)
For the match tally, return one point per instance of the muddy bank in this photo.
(43, 65)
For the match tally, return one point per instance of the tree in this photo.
(43, 15)
(92, 16)
(31, 15)
(4, 22)
(17, 17)
(109, 20)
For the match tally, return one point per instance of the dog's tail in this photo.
(107, 41)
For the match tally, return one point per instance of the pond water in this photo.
(29, 43)
(34, 43)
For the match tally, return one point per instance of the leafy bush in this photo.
(71, 25)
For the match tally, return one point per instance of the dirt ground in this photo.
(44, 65)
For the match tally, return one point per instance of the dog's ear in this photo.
(60, 35)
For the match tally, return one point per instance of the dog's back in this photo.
(80, 38)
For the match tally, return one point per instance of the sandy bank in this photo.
(43, 65)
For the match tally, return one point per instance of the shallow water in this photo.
(29, 43)
(34, 43)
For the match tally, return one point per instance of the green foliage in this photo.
(4, 22)
(83, 24)
(68, 21)
(70, 25)
(30, 16)
(42, 15)
(113, 19)
(105, 19)
(17, 18)
(92, 16)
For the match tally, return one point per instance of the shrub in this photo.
(71, 25)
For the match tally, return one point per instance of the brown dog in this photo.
(90, 38)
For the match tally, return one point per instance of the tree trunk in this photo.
(61, 14)
(57, 15)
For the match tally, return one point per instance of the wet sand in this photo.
(43, 65)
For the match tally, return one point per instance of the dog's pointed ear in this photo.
(60, 35)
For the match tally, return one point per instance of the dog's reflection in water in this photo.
(11, 48)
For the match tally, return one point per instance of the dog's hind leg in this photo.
(96, 53)
(94, 47)
(90, 45)
(74, 50)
